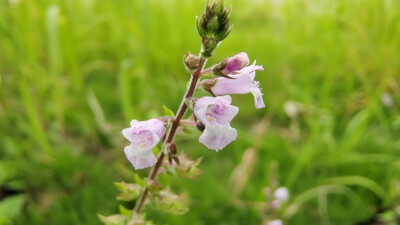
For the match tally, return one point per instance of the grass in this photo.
(74, 73)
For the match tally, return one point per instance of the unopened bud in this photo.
(192, 61)
(200, 126)
(236, 62)
(172, 148)
(176, 159)
(213, 26)
(209, 44)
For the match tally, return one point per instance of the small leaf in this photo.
(139, 180)
(190, 173)
(113, 219)
(155, 187)
(10, 208)
(7, 171)
(129, 192)
(138, 219)
(168, 111)
(124, 211)
(169, 203)
(156, 150)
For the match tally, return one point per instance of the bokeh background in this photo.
(73, 73)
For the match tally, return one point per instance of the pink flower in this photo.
(281, 194)
(242, 84)
(236, 62)
(143, 135)
(216, 113)
(275, 222)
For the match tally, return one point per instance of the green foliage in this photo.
(168, 112)
(113, 220)
(10, 208)
(129, 192)
(168, 202)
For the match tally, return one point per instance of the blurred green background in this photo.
(73, 73)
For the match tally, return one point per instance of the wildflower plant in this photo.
(211, 115)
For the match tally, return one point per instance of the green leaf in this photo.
(10, 208)
(302, 198)
(113, 219)
(360, 181)
(129, 192)
(7, 171)
(124, 211)
(139, 180)
(155, 187)
(169, 203)
(156, 150)
(188, 168)
(168, 111)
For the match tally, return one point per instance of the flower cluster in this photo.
(216, 113)
(239, 79)
(212, 115)
(143, 135)
(234, 76)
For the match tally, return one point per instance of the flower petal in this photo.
(221, 114)
(203, 102)
(211, 110)
(141, 137)
(128, 133)
(140, 158)
(135, 123)
(256, 91)
(240, 85)
(155, 125)
(250, 70)
(217, 137)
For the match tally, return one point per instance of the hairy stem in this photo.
(170, 137)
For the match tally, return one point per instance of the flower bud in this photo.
(172, 148)
(200, 126)
(209, 44)
(229, 65)
(192, 61)
(213, 26)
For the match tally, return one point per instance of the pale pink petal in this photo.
(218, 136)
(135, 123)
(256, 91)
(155, 125)
(226, 99)
(250, 70)
(240, 85)
(281, 193)
(141, 137)
(275, 222)
(128, 133)
(202, 103)
(140, 158)
(221, 114)
(212, 110)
